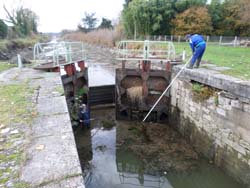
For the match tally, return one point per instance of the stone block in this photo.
(57, 159)
(210, 101)
(205, 110)
(245, 144)
(227, 107)
(221, 100)
(238, 148)
(192, 109)
(221, 112)
(237, 104)
(51, 125)
(49, 106)
(173, 101)
(207, 117)
(246, 108)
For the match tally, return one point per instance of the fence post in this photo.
(19, 61)
(220, 40)
(171, 38)
(207, 38)
(179, 39)
(184, 55)
(165, 37)
(235, 41)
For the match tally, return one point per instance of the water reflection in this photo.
(109, 166)
(111, 169)
(132, 172)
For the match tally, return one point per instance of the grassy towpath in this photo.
(237, 59)
(17, 113)
(5, 66)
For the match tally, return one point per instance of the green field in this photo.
(4, 66)
(236, 58)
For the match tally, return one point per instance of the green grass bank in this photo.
(235, 58)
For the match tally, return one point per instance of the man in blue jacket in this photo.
(198, 46)
(84, 116)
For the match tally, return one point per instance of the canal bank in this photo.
(40, 152)
(212, 111)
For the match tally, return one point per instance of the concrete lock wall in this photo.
(218, 126)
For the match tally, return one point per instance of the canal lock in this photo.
(118, 150)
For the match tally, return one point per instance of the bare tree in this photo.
(24, 20)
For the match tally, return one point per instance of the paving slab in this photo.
(45, 125)
(52, 106)
(52, 158)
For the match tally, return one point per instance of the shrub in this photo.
(3, 30)
(102, 37)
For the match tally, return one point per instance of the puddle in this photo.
(110, 160)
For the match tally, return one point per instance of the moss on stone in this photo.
(216, 100)
(60, 90)
(202, 92)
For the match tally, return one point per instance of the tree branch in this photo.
(10, 17)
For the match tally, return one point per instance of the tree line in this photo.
(180, 17)
(152, 17)
(89, 22)
(24, 22)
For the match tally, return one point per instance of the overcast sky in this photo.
(56, 15)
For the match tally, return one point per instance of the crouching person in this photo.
(84, 116)
(198, 46)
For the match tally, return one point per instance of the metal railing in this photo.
(131, 50)
(58, 53)
(214, 40)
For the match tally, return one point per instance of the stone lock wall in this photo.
(219, 126)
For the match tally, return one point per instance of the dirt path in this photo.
(101, 55)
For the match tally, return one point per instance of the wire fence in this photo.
(216, 40)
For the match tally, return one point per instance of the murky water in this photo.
(108, 165)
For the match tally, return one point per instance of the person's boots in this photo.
(190, 66)
(197, 64)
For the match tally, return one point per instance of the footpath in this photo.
(37, 146)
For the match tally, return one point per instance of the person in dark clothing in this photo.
(198, 46)
(84, 116)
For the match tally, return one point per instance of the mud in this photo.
(158, 146)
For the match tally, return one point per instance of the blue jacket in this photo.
(195, 41)
(84, 116)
